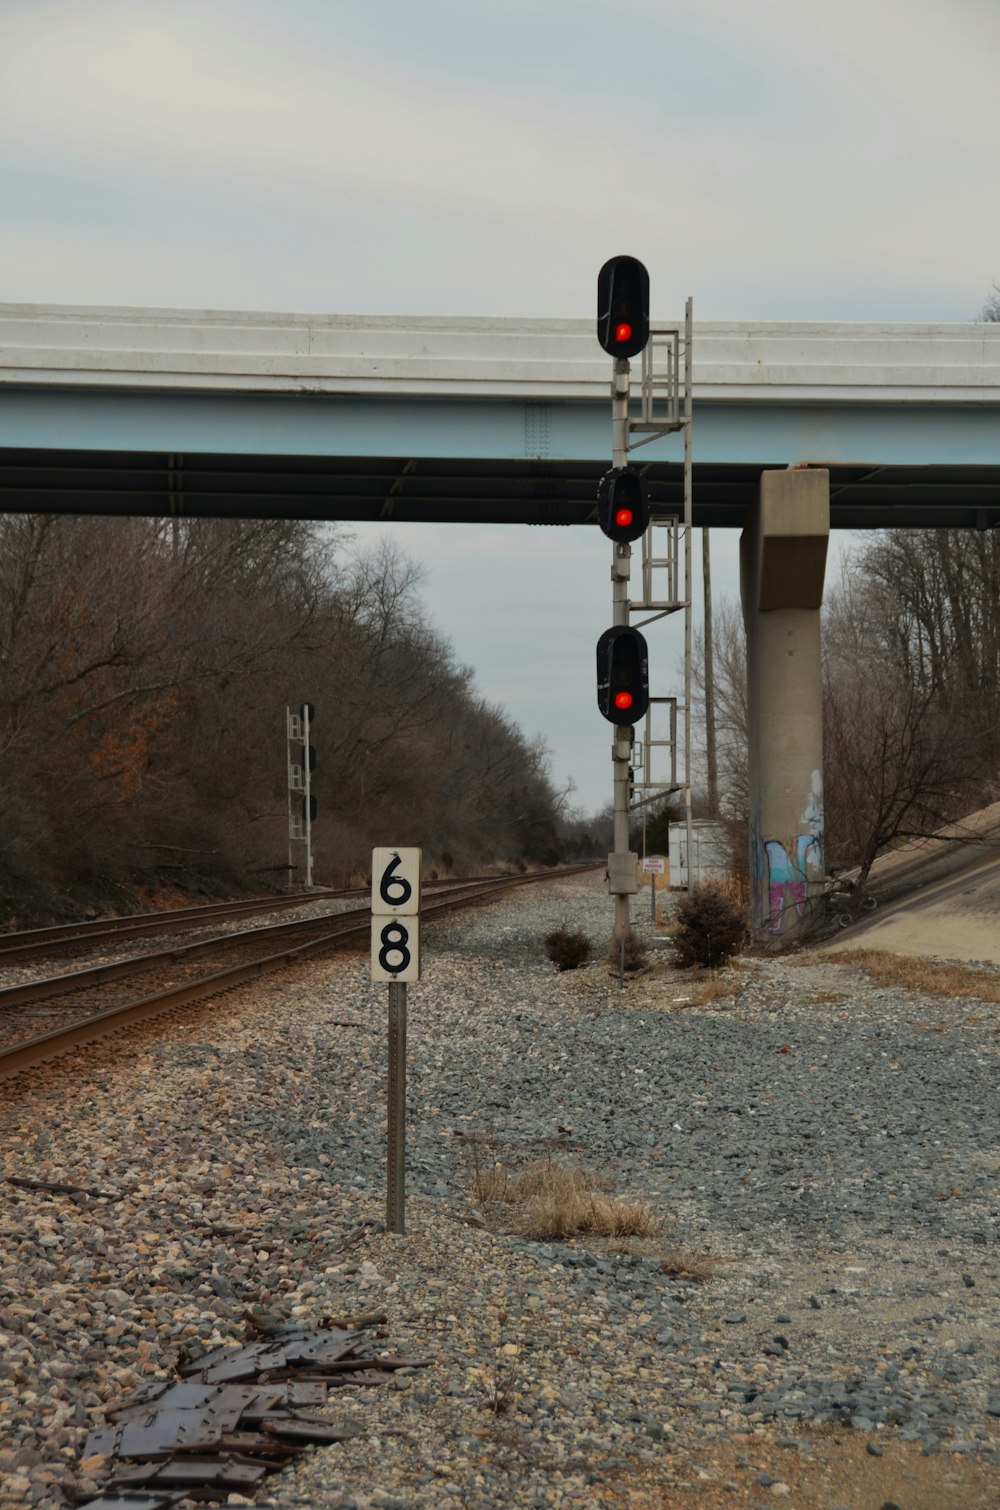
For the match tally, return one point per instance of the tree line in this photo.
(145, 668)
(911, 691)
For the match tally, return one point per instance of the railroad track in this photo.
(32, 942)
(42, 1019)
(43, 941)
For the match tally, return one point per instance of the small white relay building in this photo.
(710, 846)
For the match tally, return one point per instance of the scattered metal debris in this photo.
(232, 1417)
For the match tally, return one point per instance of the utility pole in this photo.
(710, 749)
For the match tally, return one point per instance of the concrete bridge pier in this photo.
(782, 566)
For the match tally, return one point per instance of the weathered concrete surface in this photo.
(940, 895)
(782, 562)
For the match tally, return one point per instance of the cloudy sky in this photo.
(777, 159)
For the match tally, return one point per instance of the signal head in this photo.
(623, 306)
(622, 675)
(622, 504)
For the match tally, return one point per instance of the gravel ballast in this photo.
(828, 1143)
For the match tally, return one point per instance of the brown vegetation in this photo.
(555, 1200)
(145, 667)
(711, 925)
(698, 988)
(912, 973)
(567, 949)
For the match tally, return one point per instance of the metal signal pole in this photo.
(621, 565)
(625, 514)
(307, 811)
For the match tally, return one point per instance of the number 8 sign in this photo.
(396, 914)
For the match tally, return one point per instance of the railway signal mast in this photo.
(301, 802)
(625, 515)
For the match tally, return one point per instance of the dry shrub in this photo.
(557, 1201)
(635, 953)
(567, 950)
(711, 926)
(912, 973)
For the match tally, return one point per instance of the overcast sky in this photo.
(775, 159)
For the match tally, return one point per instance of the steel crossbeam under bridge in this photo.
(159, 412)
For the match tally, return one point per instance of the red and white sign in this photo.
(654, 865)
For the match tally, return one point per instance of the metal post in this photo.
(621, 565)
(308, 782)
(395, 1203)
(652, 890)
(688, 526)
(288, 783)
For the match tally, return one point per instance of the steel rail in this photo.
(37, 940)
(45, 1046)
(33, 941)
(54, 986)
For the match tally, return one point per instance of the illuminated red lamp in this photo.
(623, 307)
(622, 505)
(622, 675)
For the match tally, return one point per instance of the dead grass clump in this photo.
(912, 973)
(491, 1185)
(556, 1201)
(698, 1268)
(548, 1218)
(700, 987)
(567, 950)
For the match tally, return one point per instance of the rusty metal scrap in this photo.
(232, 1418)
(204, 1477)
(306, 1348)
(289, 1394)
(136, 1499)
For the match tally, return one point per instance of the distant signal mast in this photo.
(301, 764)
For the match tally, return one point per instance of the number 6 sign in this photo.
(395, 914)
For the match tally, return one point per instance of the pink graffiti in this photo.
(787, 883)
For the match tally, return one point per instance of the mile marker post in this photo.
(396, 959)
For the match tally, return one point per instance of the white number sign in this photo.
(396, 880)
(396, 914)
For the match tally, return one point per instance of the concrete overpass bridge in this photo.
(797, 429)
(497, 420)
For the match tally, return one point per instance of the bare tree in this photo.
(144, 672)
(896, 763)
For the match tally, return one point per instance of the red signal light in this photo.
(622, 505)
(622, 675)
(623, 332)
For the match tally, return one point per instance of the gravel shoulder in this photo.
(830, 1144)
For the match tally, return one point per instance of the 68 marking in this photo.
(395, 939)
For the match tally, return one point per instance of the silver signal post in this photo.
(621, 865)
(666, 407)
